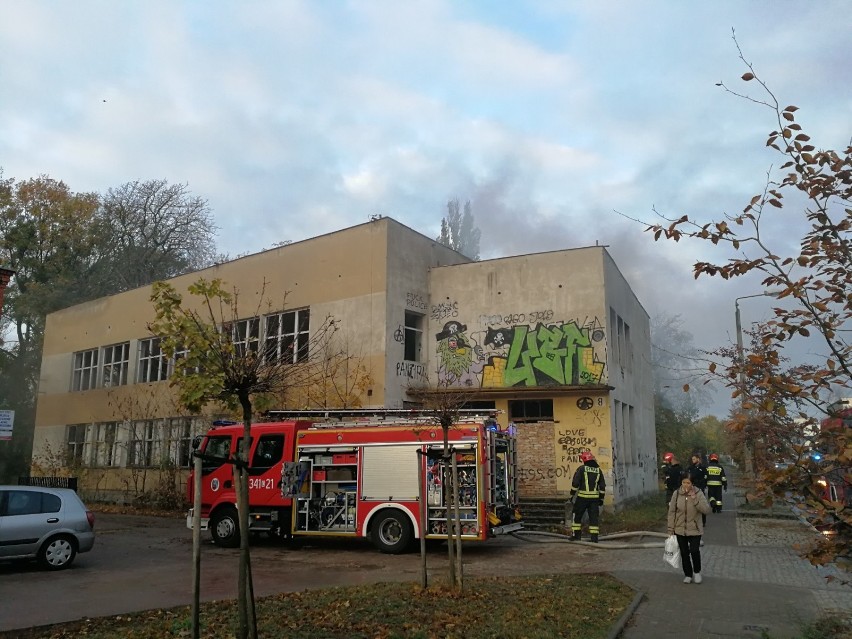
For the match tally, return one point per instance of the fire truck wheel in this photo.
(225, 527)
(391, 532)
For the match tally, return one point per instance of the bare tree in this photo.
(152, 231)
(444, 405)
(155, 446)
(343, 377)
(675, 361)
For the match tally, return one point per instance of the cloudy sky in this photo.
(297, 118)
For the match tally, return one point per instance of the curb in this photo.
(619, 626)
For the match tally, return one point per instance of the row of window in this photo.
(146, 443)
(619, 340)
(625, 429)
(153, 443)
(285, 337)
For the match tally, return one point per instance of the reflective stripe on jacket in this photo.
(588, 483)
(716, 476)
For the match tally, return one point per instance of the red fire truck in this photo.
(360, 479)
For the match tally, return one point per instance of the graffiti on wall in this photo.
(444, 310)
(460, 360)
(542, 473)
(415, 300)
(584, 426)
(540, 353)
(573, 441)
(411, 371)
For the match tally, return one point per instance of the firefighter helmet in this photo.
(714, 457)
(586, 456)
(668, 457)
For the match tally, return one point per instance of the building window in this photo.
(153, 365)
(413, 336)
(619, 342)
(143, 440)
(287, 336)
(106, 450)
(245, 334)
(179, 441)
(85, 374)
(77, 448)
(612, 346)
(116, 362)
(181, 352)
(530, 410)
(631, 425)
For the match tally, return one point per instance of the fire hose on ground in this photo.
(542, 537)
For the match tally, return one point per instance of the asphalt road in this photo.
(141, 563)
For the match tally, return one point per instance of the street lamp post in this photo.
(741, 362)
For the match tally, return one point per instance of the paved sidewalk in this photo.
(755, 585)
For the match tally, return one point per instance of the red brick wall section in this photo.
(536, 460)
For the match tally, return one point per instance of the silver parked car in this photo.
(48, 524)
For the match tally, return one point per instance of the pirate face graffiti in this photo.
(456, 344)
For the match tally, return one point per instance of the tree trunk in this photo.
(457, 524)
(196, 548)
(424, 580)
(245, 595)
(446, 478)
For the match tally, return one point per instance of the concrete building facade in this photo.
(556, 342)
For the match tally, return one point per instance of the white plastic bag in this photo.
(671, 552)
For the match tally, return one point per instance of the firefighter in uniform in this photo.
(672, 472)
(716, 480)
(587, 493)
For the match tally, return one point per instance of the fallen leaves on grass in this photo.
(551, 606)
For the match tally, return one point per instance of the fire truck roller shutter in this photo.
(389, 473)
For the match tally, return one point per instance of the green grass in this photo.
(648, 514)
(584, 606)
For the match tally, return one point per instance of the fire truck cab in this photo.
(361, 479)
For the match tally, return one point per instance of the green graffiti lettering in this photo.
(554, 354)
(551, 353)
(574, 337)
(516, 373)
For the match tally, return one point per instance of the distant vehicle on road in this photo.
(51, 525)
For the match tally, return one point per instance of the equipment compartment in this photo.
(467, 489)
(329, 502)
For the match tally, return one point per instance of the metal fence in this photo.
(49, 482)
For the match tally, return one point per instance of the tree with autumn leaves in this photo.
(212, 365)
(812, 188)
(69, 247)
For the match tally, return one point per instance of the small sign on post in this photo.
(7, 421)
